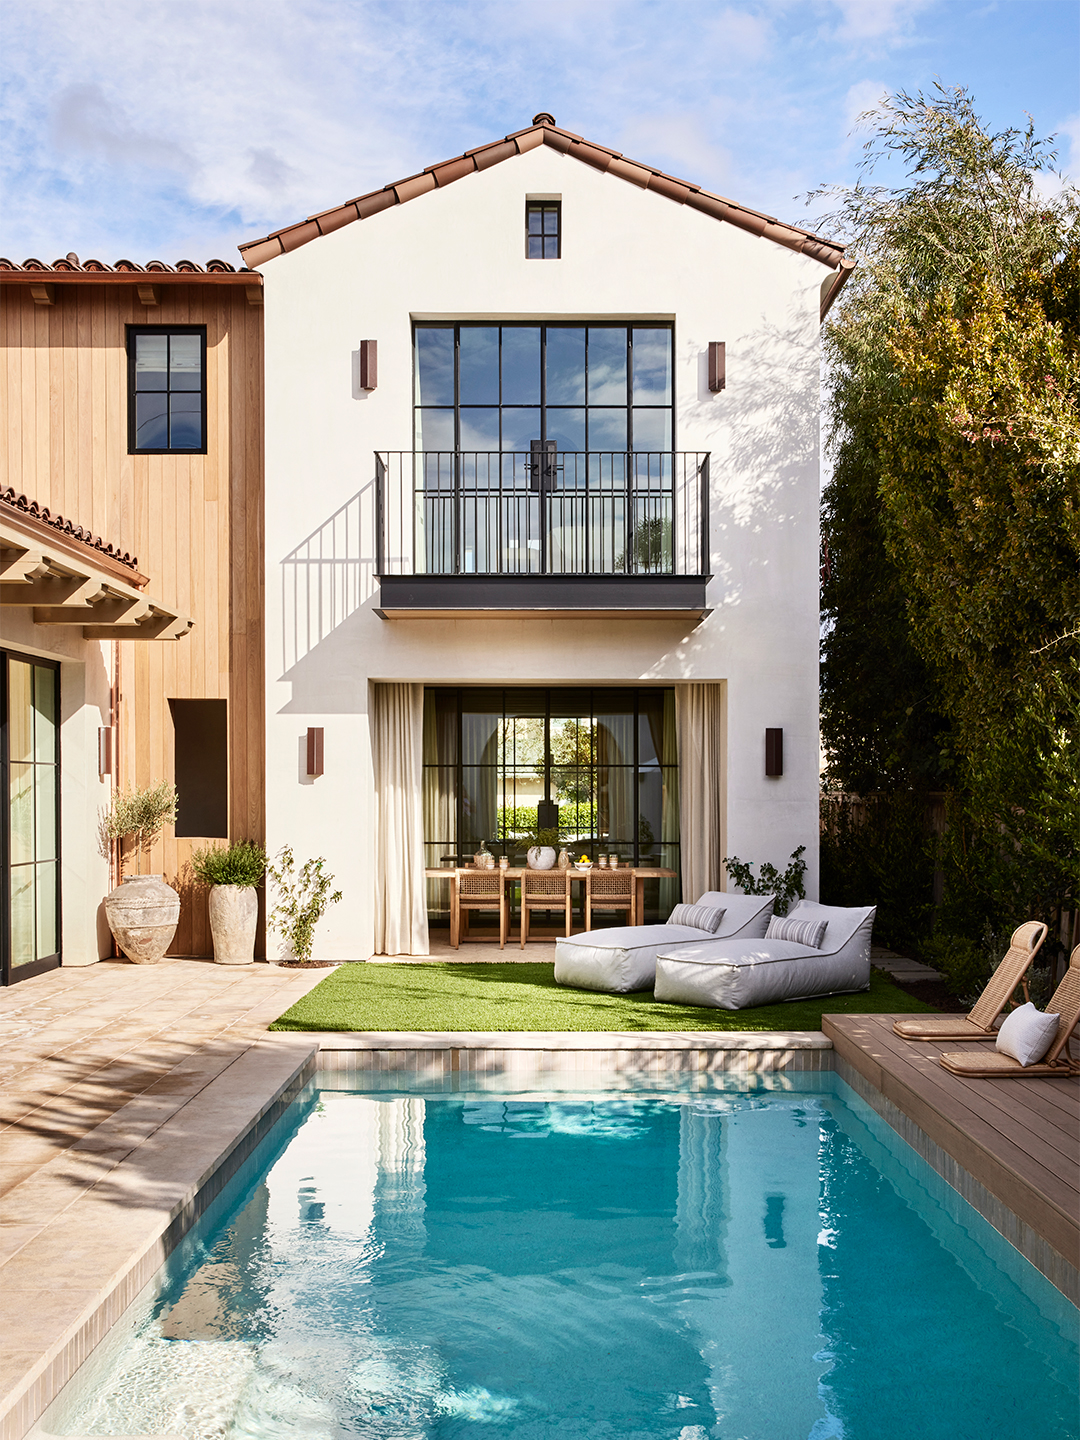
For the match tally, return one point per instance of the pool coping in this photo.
(99, 1252)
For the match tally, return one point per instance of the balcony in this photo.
(566, 533)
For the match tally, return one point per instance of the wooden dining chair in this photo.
(482, 890)
(544, 890)
(610, 890)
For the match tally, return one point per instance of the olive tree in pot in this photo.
(302, 899)
(143, 912)
(233, 875)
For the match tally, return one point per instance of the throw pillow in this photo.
(801, 932)
(699, 917)
(1027, 1034)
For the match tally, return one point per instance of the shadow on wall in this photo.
(768, 428)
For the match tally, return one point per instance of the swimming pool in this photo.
(771, 1263)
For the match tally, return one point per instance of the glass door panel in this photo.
(30, 755)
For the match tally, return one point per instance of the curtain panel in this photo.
(397, 735)
(702, 788)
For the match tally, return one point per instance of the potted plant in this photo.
(542, 853)
(303, 897)
(233, 873)
(143, 912)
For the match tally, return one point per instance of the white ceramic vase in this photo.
(234, 912)
(143, 913)
(541, 857)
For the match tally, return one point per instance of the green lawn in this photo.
(525, 997)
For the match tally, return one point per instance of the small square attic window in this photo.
(543, 229)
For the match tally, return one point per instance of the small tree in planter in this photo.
(302, 901)
(143, 912)
(233, 873)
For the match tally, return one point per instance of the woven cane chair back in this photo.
(480, 889)
(544, 885)
(1065, 1002)
(616, 884)
(1011, 972)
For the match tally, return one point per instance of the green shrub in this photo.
(242, 863)
(879, 851)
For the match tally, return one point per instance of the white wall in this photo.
(84, 706)
(459, 253)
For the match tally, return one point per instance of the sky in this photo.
(144, 130)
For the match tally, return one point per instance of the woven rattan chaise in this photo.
(979, 1021)
(992, 1064)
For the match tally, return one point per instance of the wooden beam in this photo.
(54, 590)
(104, 613)
(149, 294)
(21, 567)
(163, 627)
(43, 294)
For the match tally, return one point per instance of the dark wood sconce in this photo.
(774, 752)
(315, 750)
(369, 364)
(717, 365)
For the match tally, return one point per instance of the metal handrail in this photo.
(599, 512)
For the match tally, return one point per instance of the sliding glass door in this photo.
(30, 833)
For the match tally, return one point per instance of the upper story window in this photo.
(543, 229)
(167, 389)
(602, 387)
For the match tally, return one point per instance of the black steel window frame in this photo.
(543, 229)
(546, 410)
(133, 447)
(48, 962)
(629, 851)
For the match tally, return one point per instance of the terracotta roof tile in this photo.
(541, 132)
(70, 268)
(23, 505)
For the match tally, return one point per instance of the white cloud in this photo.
(877, 20)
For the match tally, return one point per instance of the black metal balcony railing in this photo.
(542, 512)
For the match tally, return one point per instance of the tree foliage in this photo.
(953, 516)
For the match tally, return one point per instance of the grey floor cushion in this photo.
(733, 976)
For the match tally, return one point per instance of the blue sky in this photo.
(143, 129)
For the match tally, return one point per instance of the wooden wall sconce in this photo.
(315, 750)
(369, 364)
(774, 752)
(717, 365)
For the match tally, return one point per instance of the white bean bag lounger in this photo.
(623, 958)
(728, 976)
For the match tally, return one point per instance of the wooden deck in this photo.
(1018, 1138)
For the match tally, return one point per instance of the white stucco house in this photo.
(542, 483)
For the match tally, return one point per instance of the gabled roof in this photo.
(544, 131)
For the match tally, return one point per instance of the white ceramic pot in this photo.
(541, 857)
(143, 913)
(234, 911)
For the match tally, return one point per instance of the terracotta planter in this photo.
(234, 911)
(143, 913)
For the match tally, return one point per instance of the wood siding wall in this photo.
(195, 522)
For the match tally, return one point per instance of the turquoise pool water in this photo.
(766, 1265)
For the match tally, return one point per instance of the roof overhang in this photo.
(62, 581)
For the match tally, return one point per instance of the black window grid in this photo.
(550, 411)
(543, 229)
(134, 448)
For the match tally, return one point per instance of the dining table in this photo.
(641, 873)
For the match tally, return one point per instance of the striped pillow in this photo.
(801, 932)
(698, 917)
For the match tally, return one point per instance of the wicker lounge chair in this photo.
(979, 1021)
(992, 1064)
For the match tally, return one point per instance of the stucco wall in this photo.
(459, 253)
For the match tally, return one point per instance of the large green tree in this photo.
(952, 657)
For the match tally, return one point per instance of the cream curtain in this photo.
(397, 730)
(702, 788)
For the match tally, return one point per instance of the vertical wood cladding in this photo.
(194, 521)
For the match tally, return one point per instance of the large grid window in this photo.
(166, 390)
(30, 826)
(543, 229)
(580, 387)
(606, 757)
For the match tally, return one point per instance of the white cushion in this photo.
(620, 959)
(1027, 1034)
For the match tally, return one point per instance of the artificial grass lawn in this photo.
(497, 996)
